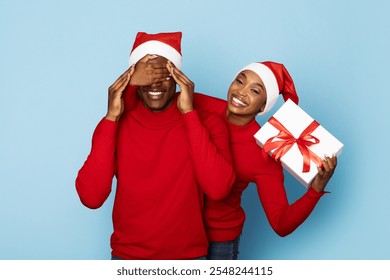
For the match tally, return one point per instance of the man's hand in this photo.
(325, 172)
(147, 73)
(185, 99)
(115, 91)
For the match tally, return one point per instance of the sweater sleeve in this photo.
(283, 217)
(130, 98)
(94, 179)
(210, 152)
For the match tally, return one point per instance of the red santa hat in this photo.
(276, 80)
(167, 45)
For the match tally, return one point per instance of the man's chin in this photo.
(157, 106)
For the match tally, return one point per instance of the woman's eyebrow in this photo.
(260, 85)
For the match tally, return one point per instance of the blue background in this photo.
(58, 59)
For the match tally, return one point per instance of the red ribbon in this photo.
(286, 140)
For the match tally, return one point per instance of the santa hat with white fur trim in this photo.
(167, 45)
(276, 80)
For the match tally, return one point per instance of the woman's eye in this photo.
(255, 91)
(239, 81)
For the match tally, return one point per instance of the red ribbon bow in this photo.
(287, 140)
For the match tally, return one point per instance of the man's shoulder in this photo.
(209, 104)
(212, 120)
(205, 97)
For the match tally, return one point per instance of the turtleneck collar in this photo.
(156, 120)
(239, 132)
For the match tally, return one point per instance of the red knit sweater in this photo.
(225, 218)
(164, 163)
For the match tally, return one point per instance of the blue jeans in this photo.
(224, 250)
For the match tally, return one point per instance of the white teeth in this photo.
(155, 92)
(238, 101)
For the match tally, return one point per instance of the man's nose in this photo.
(156, 85)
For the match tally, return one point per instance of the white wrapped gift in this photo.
(298, 141)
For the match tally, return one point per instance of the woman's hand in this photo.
(185, 99)
(325, 172)
(147, 73)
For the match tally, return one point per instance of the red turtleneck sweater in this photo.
(164, 163)
(225, 218)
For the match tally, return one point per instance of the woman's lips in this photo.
(239, 103)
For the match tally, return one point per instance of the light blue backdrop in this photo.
(59, 57)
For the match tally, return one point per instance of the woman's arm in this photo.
(283, 217)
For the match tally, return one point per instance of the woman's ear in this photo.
(263, 107)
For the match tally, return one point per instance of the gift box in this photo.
(299, 142)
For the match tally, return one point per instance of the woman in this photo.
(253, 92)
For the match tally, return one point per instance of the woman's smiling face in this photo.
(247, 96)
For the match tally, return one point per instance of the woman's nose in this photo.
(242, 92)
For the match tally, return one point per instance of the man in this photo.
(164, 153)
